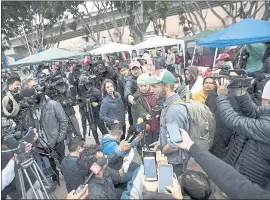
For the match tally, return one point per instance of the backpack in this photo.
(202, 124)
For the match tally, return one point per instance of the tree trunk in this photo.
(266, 14)
(217, 15)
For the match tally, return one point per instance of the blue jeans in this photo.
(128, 176)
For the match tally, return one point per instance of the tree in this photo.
(191, 15)
(157, 12)
(35, 18)
(137, 20)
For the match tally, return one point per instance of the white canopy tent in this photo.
(159, 41)
(111, 48)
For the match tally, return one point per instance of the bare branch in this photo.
(215, 13)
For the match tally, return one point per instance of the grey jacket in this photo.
(176, 113)
(54, 122)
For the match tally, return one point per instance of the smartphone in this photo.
(150, 169)
(174, 132)
(165, 177)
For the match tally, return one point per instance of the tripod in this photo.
(33, 166)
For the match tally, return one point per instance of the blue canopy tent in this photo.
(247, 31)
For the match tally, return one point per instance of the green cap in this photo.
(161, 76)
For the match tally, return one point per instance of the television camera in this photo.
(238, 77)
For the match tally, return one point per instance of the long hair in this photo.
(103, 87)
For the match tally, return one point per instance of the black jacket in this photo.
(131, 86)
(249, 151)
(72, 174)
(94, 95)
(223, 132)
(232, 183)
(121, 83)
(103, 188)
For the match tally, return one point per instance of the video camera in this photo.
(238, 77)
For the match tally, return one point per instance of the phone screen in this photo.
(150, 171)
(165, 177)
(174, 132)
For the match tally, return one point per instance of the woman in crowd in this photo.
(191, 75)
(145, 103)
(224, 59)
(112, 108)
(208, 87)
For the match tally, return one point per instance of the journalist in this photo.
(131, 82)
(249, 149)
(67, 101)
(10, 104)
(72, 174)
(163, 85)
(92, 96)
(112, 109)
(235, 185)
(101, 186)
(116, 150)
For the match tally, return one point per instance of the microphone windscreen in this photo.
(131, 130)
(27, 92)
(139, 120)
(142, 126)
(102, 161)
(147, 128)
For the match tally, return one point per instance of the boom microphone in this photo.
(95, 168)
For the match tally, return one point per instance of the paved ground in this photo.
(61, 191)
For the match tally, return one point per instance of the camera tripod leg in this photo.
(29, 181)
(39, 179)
(24, 196)
(39, 170)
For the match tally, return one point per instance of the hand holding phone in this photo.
(165, 177)
(150, 170)
(175, 135)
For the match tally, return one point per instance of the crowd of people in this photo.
(132, 109)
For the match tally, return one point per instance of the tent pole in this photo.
(193, 56)
(215, 58)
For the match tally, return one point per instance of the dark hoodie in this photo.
(72, 174)
(193, 76)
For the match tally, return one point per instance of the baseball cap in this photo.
(141, 80)
(161, 76)
(134, 64)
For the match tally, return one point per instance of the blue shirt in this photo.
(176, 113)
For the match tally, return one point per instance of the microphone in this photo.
(95, 168)
(142, 126)
(147, 128)
(139, 120)
(132, 133)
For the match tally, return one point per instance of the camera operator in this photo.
(10, 104)
(65, 98)
(88, 92)
(101, 186)
(11, 182)
(249, 151)
(51, 121)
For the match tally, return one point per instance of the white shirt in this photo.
(266, 91)
(8, 174)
